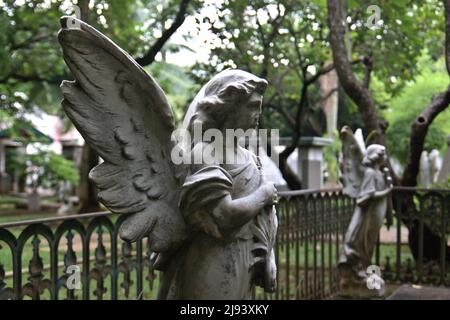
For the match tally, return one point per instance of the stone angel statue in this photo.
(211, 226)
(365, 179)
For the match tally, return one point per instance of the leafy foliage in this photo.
(405, 107)
(45, 168)
(31, 64)
(178, 86)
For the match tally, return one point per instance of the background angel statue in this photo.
(365, 179)
(211, 226)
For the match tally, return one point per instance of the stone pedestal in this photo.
(310, 161)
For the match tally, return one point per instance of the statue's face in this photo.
(382, 157)
(247, 115)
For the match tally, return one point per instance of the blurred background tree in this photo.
(286, 41)
(32, 67)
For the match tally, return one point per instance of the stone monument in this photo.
(430, 166)
(365, 179)
(444, 173)
(211, 224)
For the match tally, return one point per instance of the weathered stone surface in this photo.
(211, 225)
(366, 180)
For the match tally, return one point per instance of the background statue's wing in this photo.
(124, 115)
(351, 163)
(360, 140)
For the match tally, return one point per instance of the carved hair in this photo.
(373, 154)
(220, 96)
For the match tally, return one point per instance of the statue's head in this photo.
(375, 153)
(230, 100)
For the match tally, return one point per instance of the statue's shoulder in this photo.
(369, 171)
(202, 157)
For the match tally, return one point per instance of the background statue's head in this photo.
(232, 99)
(375, 153)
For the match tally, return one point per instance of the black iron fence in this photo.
(44, 259)
(422, 238)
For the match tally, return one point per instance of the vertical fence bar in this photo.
(398, 214)
(307, 234)
(315, 228)
(322, 245)
(288, 249)
(421, 227)
(302, 243)
(139, 271)
(330, 243)
(85, 274)
(443, 235)
(114, 266)
(337, 239)
(297, 249)
(54, 268)
(17, 274)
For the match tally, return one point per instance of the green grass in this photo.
(11, 202)
(386, 250)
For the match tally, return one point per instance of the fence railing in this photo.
(36, 256)
(312, 224)
(422, 238)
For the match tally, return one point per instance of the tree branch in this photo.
(149, 57)
(447, 33)
(419, 127)
(368, 64)
(419, 130)
(328, 68)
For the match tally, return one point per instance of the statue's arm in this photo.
(232, 213)
(368, 190)
(383, 193)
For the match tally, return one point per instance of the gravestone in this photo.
(445, 169)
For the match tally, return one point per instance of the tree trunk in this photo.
(419, 130)
(356, 90)
(291, 178)
(149, 57)
(87, 192)
(361, 95)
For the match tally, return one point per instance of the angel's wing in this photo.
(124, 115)
(351, 162)
(360, 140)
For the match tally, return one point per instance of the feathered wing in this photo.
(359, 138)
(351, 162)
(124, 115)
